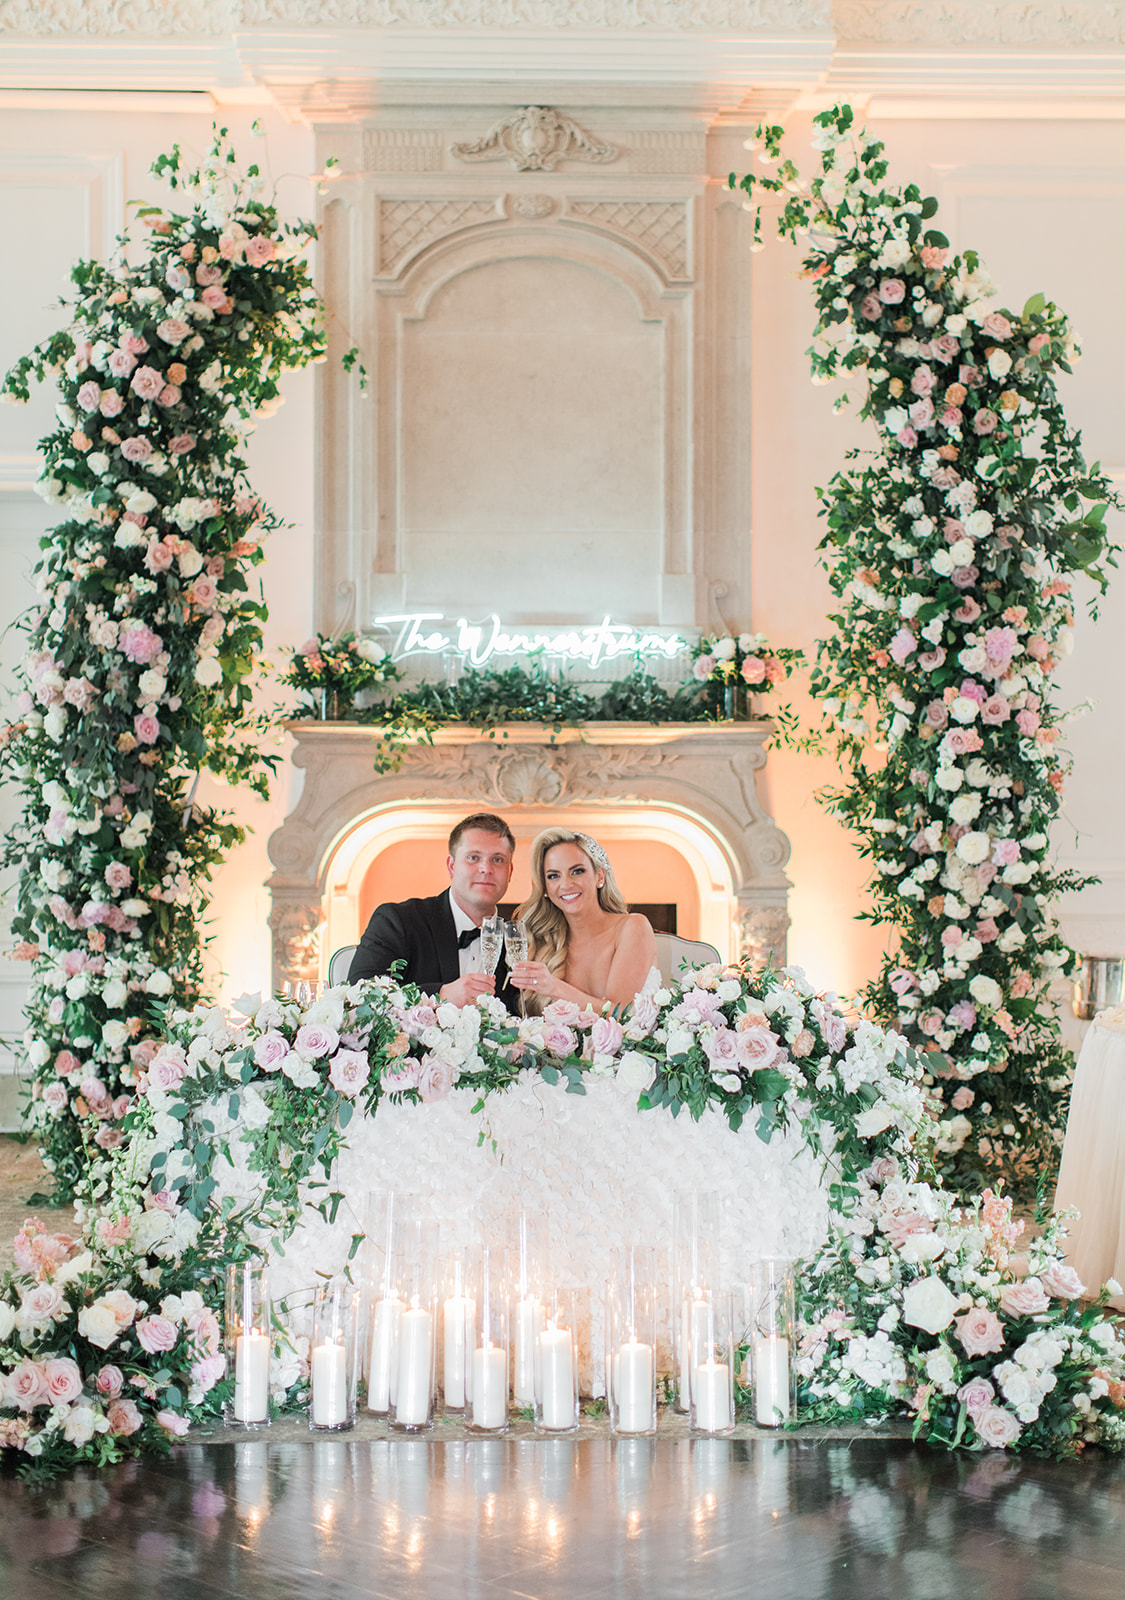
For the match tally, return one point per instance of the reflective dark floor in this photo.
(591, 1518)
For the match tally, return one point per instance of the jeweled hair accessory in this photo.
(594, 850)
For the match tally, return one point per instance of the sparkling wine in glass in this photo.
(515, 948)
(491, 940)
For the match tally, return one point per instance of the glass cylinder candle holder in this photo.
(334, 1364)
(712, 1364)
(248, 1342)
(487, 1411)
(412, 1386)
(695, 1264)
(383, 1222)
(771, 1342)
(528, 1255)
(556, 1363)
(458, 1320)
(630, 1357)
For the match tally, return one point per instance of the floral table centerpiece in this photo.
(331, 672)
(734, 668)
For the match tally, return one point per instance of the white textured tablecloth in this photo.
(1092, 1171)
(601, 1172)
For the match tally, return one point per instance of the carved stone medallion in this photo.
(533, 139)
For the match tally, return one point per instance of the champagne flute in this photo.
(491, 940)
(515, 948)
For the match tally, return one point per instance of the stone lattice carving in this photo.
(407, 226)
(535, 139)
(660, 226)
(761, 933)
(402, 150)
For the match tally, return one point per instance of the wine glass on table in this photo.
(515, 948)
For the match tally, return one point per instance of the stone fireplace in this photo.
(687, 791)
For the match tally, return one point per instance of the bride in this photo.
(585, 944)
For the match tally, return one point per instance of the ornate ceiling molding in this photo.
(212, 17)
(956, 23)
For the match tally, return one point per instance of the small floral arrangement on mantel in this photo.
(109, 1342)
(734, 668)
(331, 672)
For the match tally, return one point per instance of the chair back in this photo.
(339, 963)
(673, 954)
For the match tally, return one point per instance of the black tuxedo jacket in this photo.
(423, 934)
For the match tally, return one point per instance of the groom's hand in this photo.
(468, 990)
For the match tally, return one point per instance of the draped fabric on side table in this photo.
(1092, 1172)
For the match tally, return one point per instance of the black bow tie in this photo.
(466, 937)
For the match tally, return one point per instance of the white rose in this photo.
(98, 462)
(978, 524)
(986, 991)
(368, 650)
(974, 847)
(999, 364)
(965, 809)
(98, 1324)
(635, 1071)
(963, 709)
(962, 551)
(679, 1043)
(138, 500)
(208, 671)
(723, 649)
(940, 1365)
(942, 563)
(158, 983)
(115, 1035)
(950, 778)
(7, 1321)
(928, 1304)
(114, 994)
(895, 253)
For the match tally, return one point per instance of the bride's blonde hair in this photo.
(547, 930)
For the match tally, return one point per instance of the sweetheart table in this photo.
(598, 1171)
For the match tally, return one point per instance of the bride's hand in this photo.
(532, 975)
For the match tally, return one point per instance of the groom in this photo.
(439, 937)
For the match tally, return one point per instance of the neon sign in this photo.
(431, 633)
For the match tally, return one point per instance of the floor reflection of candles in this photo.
(557, 1470)
(251, 1481)
(330, 1480)
(772, 1478)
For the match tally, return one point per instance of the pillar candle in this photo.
(556, 1364)
(415, 1367)
(490, 1387)
(633, 1387)
(771, 1381)
(381, 1365)
(329, 1385)
(711, 1396)
(252, 1377)
(529, 1325)
(456, 1365)
(696, 1329)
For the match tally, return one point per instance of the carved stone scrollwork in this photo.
(408, 226)
(761, 934)
(534, 139)
(296, 941)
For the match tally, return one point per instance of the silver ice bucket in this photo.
(1098, 985)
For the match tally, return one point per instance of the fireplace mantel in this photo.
(705, 773)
